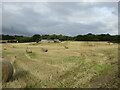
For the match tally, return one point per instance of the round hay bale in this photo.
(44, 50)
(110, 43)
(65, 47)
(28, 51)
(13, 46)
(91, 44)
(7, 70)
(5, 48)
(15, 56)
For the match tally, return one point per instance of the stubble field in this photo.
(82, 65)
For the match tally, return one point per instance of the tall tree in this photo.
(36, 38)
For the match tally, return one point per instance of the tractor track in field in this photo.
(70, 78)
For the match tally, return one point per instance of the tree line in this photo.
(86, 37)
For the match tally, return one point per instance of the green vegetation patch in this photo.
(61, 85)
(7, 53)
(100, 68)
(33, 54)
(73, 59)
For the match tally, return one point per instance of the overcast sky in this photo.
(67, 18)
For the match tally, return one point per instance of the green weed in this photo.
(32, 55)
(72, 59)
(100, 68)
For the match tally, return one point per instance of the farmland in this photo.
(81, 65)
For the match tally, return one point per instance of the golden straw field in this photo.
(81, 65)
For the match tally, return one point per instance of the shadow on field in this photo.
(105, 80)
(20, 74)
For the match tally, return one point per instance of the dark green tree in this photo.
(36, 38)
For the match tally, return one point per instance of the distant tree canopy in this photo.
(25, 39)
(36, 38)
(60, 37)
(88, 37)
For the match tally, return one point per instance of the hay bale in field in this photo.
(91, 44)
(13, 46)
(7, 70)
(66, 47)
(110, 43)
(4, 48)
(44, 50)
(28, 50)
(33, 44)
(15, 56)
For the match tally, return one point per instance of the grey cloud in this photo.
(78, 28)
(0, 18)
(60, 18)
